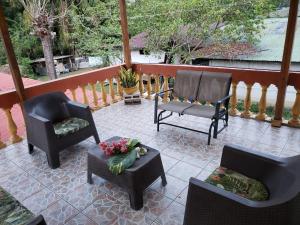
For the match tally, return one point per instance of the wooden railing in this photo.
(92, 86)
(249, 77)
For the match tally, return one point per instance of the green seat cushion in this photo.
(12, 212)
(239, 184)
(69, 126)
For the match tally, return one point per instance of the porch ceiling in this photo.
(64, 197)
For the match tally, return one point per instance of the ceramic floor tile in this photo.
(80, 219)
(40, 201)
(184, 171)
(174, 187)
(59, 213)
(173, 215)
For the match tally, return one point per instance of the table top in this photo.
(97, 152)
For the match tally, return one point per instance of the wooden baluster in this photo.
(12, 127)
(233, 101)
(295, 122)
(85, 98)
(73, 91)
(148, 87)
(141, 85)
(112, 91)
(157, 84)
(247, 103)
(104, 96)
(166, 87)
(262, 105)
(95, 97)
(2, 144)
(119, 88)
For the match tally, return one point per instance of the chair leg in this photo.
(163, 179)
(216, 126)
(89, 177)
(53, 160)
(30, 148)
(209, 132)
(96, 137)
(136, 199)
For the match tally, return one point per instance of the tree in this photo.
(95, 29)
(183, 28)
(41, 14)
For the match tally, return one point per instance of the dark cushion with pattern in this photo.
(69, 126)
(239, 184)
(12, 212)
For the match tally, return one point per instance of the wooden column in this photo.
(286, 62)
(125, 34)
(11, 58)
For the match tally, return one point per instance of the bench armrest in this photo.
(223, 99)
(162, 92)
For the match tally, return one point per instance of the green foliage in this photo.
(118, 163)
(95, 30)
(128, 78)
(183, 27)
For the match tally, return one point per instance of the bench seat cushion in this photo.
(69, 126)
(175, 106)
(205, 111)
(239, 184)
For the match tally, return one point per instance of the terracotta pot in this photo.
(130, 90)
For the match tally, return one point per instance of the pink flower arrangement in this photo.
(119, 147)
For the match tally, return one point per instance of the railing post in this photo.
(73, 92)
(286, 62)
(112, 91)
(103, 92)
(2, 144)
(141, 85)
(166, 87)
(247, 103)
(233, 101)
(12, 127)
(125, 34)
(295, 122)
(85, 98)
(95, 97)
(148, 87)
(262, 104)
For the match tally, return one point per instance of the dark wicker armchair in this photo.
(210, 205)
(53, 123)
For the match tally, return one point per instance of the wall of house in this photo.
(256, 91)
(151, 58)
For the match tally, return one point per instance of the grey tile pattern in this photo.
(63, 196)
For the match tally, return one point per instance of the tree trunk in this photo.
(48, 54)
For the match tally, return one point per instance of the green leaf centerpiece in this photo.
(123, 154)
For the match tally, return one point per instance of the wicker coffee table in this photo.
(134, 179)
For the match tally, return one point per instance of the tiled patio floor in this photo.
(64, 197)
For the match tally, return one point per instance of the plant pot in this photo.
(131, 90)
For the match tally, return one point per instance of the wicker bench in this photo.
(192, 88)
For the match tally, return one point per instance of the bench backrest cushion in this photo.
(214, 86)
(187, 84)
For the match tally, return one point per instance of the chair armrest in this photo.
(39, 220)
(39, 126)
(79, 110)
(248, 162)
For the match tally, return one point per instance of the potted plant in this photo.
(128, 80)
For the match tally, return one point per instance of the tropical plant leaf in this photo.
(118, 163)
(133, 143)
